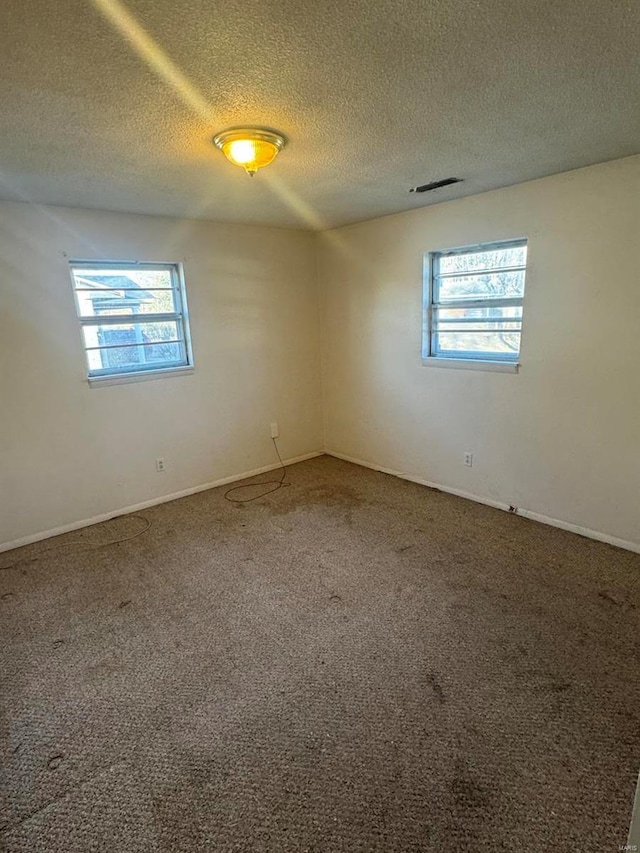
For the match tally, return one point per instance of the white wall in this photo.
(561, 438)
(70, 452)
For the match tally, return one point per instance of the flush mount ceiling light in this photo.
(249, 147)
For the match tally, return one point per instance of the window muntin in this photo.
(474, 303)
(133, 317)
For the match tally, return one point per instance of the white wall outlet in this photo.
(275, 432)
(159, 465)
(468, 459)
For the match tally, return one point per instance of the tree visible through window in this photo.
(474, 302)
(133, 317)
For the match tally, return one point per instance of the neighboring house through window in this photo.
(473, 305)
(133, 317)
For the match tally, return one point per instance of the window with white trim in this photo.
(473, 304)
(133, 317)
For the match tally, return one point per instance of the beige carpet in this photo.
(353, 663)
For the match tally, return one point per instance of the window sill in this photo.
(472, 364)
(124, 378)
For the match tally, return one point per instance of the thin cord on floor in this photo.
(273, 484)
(82, 544)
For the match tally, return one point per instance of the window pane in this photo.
(114, 277)
(125, 294)
(110, 302)
(130, 333)
(502, 285)
(484, 259)
(491, 317)
(477, 344)
(111, 291)
(459, 327)
(138, 357)
(134, 345)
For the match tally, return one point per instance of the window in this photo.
(133, 317)
(473, 305)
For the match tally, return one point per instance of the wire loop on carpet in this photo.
(82, 545)
(274, 485)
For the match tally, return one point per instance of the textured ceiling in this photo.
(109, 104)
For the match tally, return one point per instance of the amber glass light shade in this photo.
(249, 148)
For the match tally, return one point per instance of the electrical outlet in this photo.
(275, 432)
(468, 459)
(160, 465)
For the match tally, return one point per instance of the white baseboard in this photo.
(525, 513)
(87, 522)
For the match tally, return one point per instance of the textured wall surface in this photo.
(69, 451)
(562, 437)
(112, 104)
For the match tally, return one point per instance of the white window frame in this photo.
(110, 376)
(465, 360)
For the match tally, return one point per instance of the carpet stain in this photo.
(618, 601)
(435, 685)
(469, 793)
(339, 499)
(55, 761)
(559, 686)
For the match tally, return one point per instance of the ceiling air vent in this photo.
(435, 185)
